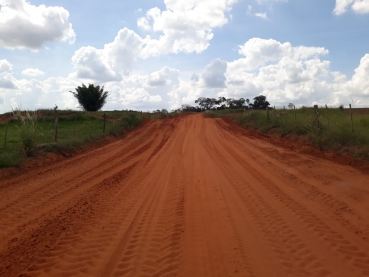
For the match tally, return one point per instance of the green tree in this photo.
(260, 103)
(91, 98)
(206, 103)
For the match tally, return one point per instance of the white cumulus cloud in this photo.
(5, 66)
(109, 63)
(93, 64)
(358, 86)
(358, 6)
(34, 94)
(162, 77)
(279, 70)
(143, 23)
(23, 25)
(33, 72)
(124, 50)
(185, 26)
(8, 82)
(214, 74)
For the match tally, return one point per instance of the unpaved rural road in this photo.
(187, 196)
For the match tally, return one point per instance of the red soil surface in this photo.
(188, 196)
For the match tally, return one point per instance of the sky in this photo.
(162, 54)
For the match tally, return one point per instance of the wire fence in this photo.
(50, 130)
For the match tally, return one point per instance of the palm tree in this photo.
(91, 98)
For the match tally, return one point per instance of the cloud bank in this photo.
(23, 25)
(357, 6)
(282, 72)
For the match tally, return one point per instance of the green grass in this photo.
(75, 129)
(221, 113)
(333, 132)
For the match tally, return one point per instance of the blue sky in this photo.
(162, 54)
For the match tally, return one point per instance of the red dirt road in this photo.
(187, 196)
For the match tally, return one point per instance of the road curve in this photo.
(187, 196)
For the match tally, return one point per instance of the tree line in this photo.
(222, 103)
(93, 98)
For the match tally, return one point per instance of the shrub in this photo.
(27, 130)
(9, 158)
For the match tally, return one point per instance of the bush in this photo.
(9, 159)
(27, 130)
(126, 123)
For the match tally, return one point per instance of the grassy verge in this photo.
(221, 113)
(333, 131)
(75, 129)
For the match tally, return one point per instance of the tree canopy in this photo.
(91, 98)
(260, 103)
(223, 103)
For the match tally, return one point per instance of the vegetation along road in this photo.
(186, 196)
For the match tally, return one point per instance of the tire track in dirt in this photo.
(186, 196)
(81, 186)
(56, 188)
(43, 238)
(351, 254)
(280, 239)
(316, 189)
(155, 228)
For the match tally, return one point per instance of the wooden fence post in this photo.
(105, 123)
(275, 113)
(294, 109)
(267, 108)
(56, 124)
(352, 123)
(6, 134)
(317, 120)
(326, 109)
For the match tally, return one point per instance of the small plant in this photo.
(27, 130)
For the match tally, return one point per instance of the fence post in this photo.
(105, 123)
(6, 134)
(317, 120)
(294, 110)
(326, 110)
(275, 113)
(56, 124)
(267, 108)
(352, 123)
